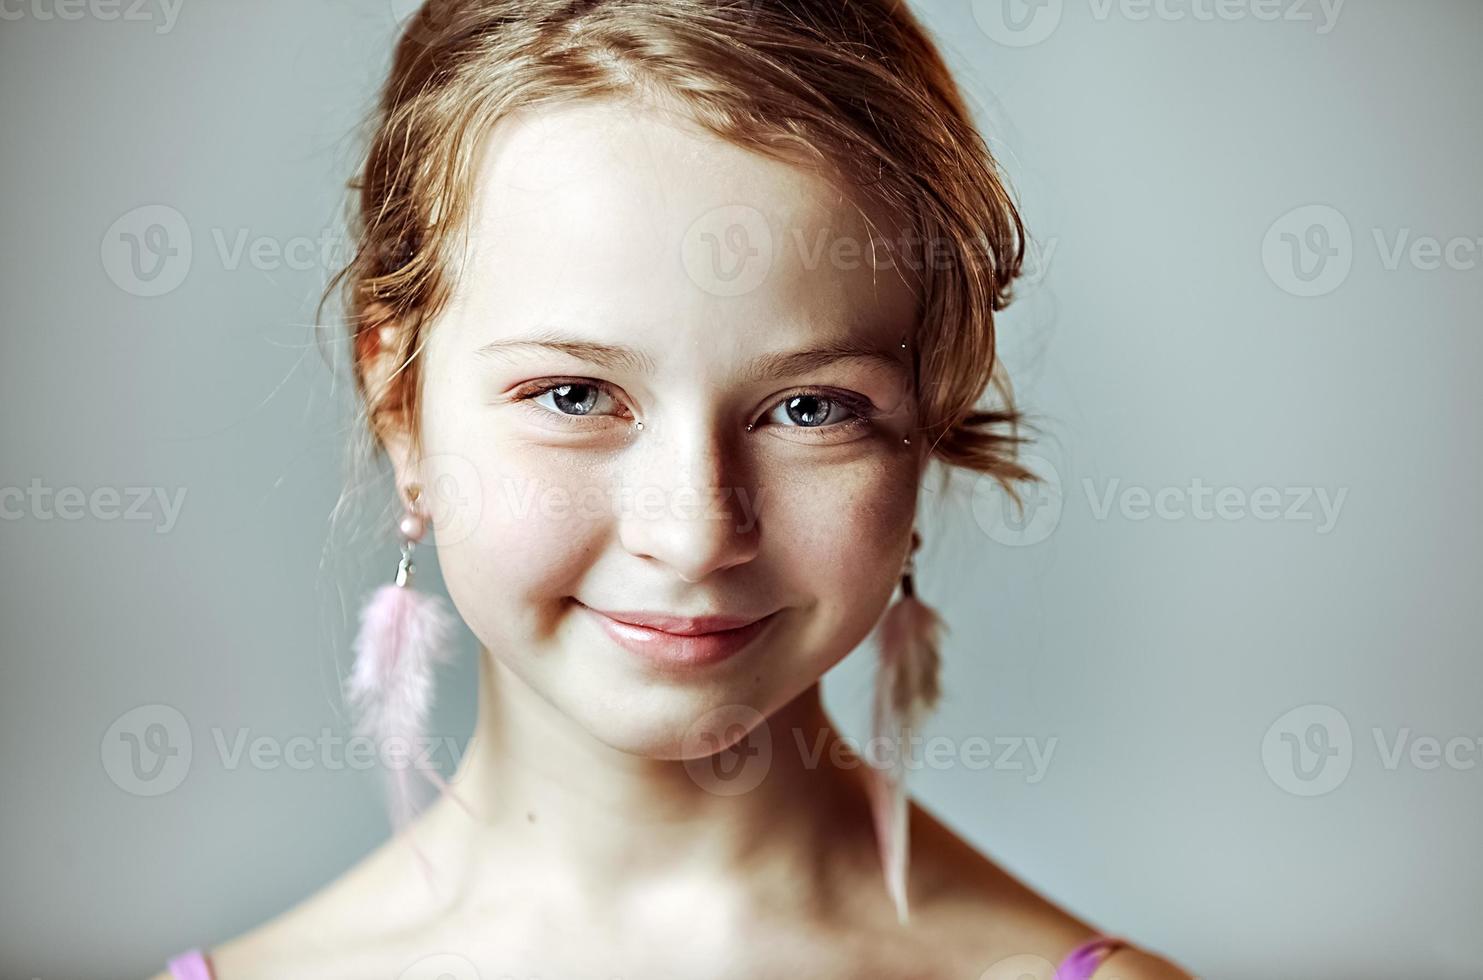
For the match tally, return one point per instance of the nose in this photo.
(686, 505)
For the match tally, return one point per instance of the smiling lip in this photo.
(681, 641)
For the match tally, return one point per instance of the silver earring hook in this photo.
(910, 566)
(405, 568)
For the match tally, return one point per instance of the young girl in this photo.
(660, 311)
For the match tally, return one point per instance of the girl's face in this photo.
(626, 267)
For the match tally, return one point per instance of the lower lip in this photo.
(675, 650)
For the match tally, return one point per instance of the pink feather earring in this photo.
(404, 634)
(906, 691)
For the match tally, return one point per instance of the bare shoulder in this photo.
(350, 911)
(969, 904)
(992, 921)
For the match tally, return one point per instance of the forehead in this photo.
(623, 219)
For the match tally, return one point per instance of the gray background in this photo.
(1153, 156)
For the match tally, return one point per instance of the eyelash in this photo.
(862, 411)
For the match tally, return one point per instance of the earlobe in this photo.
(398, 445)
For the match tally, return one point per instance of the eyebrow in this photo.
(618, 357)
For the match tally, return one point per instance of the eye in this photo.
(570, 399)
(832, 411)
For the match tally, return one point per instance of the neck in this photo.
(606, 827)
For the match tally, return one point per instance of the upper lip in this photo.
(679, 625)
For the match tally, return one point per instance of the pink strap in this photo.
(190, 965)
(1083, 961)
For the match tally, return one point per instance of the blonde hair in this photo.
(853, 87)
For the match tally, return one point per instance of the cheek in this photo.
(516, 526)
(851, 519)
(842, 536)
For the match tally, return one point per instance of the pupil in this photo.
(581, 406)
(813, 411)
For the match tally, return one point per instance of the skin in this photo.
(600, 848)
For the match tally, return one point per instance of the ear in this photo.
(381, 351)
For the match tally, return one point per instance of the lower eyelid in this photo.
(560, 423)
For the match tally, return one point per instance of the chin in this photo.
(632, 710)
(653, 720)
